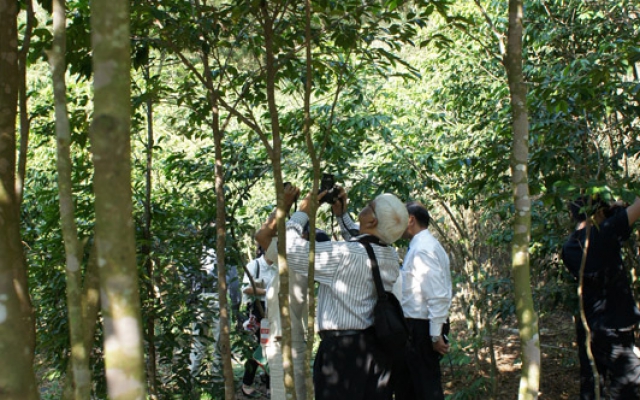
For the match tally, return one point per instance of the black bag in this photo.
(389, 323)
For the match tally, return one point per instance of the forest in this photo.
(137, 137)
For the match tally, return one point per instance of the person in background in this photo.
(262, 270)
(349, 364)
(610, 309)
(426, 298)
(206, 328)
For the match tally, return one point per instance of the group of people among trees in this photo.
(351, 363)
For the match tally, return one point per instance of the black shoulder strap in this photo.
(366, 242)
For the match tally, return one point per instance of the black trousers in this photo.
(418, 375)
(351, 367)
(615, 360)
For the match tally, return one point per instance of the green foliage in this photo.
(408, 97)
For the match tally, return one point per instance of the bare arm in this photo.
(633, 211)
(269, 230)
(258, 292)
(340, 205)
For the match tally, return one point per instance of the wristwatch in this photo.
(435, 339)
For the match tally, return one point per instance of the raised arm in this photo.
(269, 229)
(633, 211)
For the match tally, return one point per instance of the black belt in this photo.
(336, 333)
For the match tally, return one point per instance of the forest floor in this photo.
(466, 376)
(559, 376)
(559, 379)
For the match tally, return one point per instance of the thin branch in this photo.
(495, 31)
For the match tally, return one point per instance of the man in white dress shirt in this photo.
(426, 298)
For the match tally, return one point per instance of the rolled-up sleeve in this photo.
(347, 225)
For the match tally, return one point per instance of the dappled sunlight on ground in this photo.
(559, 358)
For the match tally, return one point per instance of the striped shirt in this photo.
(347, 293)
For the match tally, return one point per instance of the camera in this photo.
(327, 183)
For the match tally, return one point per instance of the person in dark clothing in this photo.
(609, 306)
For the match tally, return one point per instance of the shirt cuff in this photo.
(435, 326)
(298, 220)
(346, 223)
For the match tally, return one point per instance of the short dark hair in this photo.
(586, 205)
(321, 236)
(419, 211)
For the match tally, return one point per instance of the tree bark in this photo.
(283, 267)
(115, 241)
(315, 162)
(17, 326)
(527, 317)
(90, 309)
(73, 248)
(221, 237)
(22, 102)
(149, 265)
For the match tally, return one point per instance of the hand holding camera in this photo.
(329, 193)
(334, 195)
(328, 185)
(291, 194)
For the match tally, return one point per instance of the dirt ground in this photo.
(559, 374)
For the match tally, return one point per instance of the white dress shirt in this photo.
(267, 272)
(426, 281)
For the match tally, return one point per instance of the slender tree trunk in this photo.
(22, 102)
(583, 315)
(17, 328)
(221, 241)
(311, 299)
(73, 247)
(90, 309)
(283, 267)
(527, 317)
(221, 237)
(115, 241)
(146, 249)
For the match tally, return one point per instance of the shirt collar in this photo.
(419, 236)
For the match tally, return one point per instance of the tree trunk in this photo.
(17, 327)
(583, 315)
(22, 102)
(221, 237)
(146, 249)
(311, 303)
(73, 248)
(527, 317)
(283, 267)
(221, 240)
(90, 308)
(115, 241)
